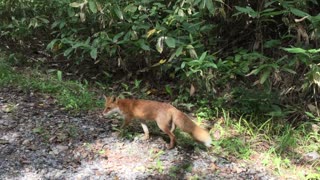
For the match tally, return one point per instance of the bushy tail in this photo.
(187, 125)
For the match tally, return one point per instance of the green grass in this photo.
(70, 94)
(278, 146)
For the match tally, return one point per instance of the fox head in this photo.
(111, 106)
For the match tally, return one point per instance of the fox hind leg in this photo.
(167, 130)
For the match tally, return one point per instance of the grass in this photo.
(279, 147)
(70, 94)
(271, 143)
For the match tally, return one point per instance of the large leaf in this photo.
(68, 51)
(143, 45)
(298, 12)
(171, 42)
(210, 7)
(93, 6)
(265, 75)
(203, 56)
(94, 53)
(296, 50)
(52, 43)
(76, 4)
(118, 12)
(179, 51)
(131, 8)
(115, 39)
(247, 10)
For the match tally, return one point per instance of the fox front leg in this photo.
(146, 131)
(125, 122)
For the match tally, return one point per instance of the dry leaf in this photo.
(192, 90)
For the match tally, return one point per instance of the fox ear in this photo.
(112, 99)
(108, 99)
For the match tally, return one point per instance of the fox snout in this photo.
(108, 111)
(104, 113)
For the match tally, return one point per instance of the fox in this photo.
(166, 116)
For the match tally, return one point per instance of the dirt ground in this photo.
(40, 140)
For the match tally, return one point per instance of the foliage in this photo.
(249, 56)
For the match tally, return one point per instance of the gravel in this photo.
(40, 140)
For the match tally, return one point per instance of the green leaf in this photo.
(310, 114)
(94, 53)
(295, 50)
(255, 72)
(118, 12)
(272, 43)
(210, 7)
(298, 12)
(203, 56)
(168, 90)
(183, 64)
(247, 10)
(237, 57)
(59, 75)
(44, 20)
(179, 51)
(212, 65)
(117, 36)
(313, 51)
(75, 4)
(143, 45)
(265, 76)
(52, 43)
(93, 6)
(131, 8)
(171, 42)
(289, 70)
(68, 51)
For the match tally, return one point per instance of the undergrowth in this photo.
(278, 146)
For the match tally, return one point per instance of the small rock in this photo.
(59, 148)
(251, 171)
(26, 142)
(32, 147)
(238, 169)
(311, 156)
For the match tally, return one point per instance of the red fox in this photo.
(164, 114)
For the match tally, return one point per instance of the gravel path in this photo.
(40, 140)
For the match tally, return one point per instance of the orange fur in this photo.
(165, 115)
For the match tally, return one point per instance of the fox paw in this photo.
(170, 146)
(145, 137)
